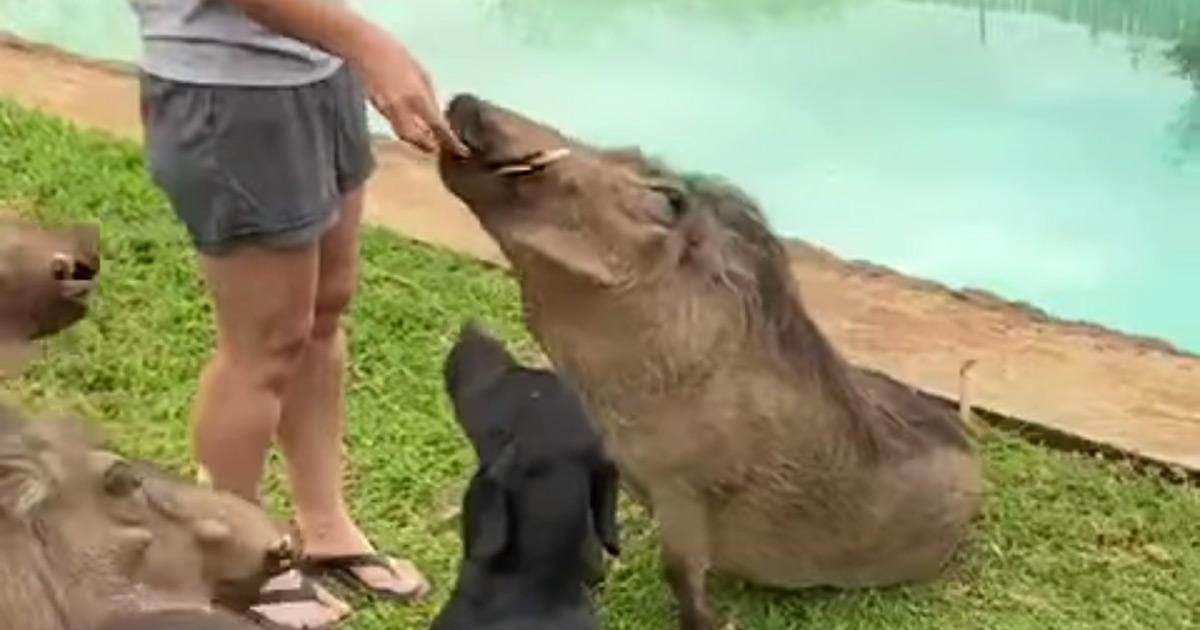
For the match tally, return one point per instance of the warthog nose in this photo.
(65, 267)
(281, 557)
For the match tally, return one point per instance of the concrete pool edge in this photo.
(1103, 388)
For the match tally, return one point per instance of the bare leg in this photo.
(263, 303)
(264, 309)
(314, 414)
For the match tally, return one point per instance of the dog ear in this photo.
(490, 524)
(605, 484)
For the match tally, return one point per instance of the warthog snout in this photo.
(282, 557)
(242, 593)
(76, 269)
(501, 143)
(47, 276)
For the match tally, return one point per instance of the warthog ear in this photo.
(571, 252)
(605, 483)
(23, 486)
(26, 476)
(488, 523)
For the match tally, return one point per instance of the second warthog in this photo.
(86, 534)
(47, 274)
(666, 298)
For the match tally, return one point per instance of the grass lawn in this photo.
(1068, 542)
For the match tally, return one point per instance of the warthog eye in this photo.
(676, 201)
(121, 480)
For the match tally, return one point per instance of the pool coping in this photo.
(1071, 384)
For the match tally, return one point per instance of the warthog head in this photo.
(46, 276)
(607, 242)
(85, 532)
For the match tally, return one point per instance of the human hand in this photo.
(400, 89)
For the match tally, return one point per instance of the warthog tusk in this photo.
(514, 169)
(549, 156)
(539, 160)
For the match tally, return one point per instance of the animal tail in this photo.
(966, 412)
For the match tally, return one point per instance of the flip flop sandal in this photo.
(305, 592)
(342, 569)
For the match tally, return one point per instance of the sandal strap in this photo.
(344, 569)
(350, 562)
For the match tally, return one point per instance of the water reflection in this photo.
(1161, 19)
(1185, 54)
(1043, 149)
(591, 19)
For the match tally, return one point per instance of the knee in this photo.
(333, 298)
(271, 357)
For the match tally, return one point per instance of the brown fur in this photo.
(47, 275)
(667, 299)
(85, 534)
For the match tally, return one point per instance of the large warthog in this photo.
(668, 300)
(47, 275)
(86, 534)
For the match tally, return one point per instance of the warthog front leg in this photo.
(683, 532)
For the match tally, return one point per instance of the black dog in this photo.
(542, 494)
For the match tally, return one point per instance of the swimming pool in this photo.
(1046, 150)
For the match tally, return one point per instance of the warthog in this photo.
(85, 533)
(46, 276)
(667, 299)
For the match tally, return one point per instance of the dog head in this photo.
(540, 461)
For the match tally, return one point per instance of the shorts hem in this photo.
(350, 183)
(300, 235)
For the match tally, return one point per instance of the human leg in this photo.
(313, 417)
(251, 173)
(262, 305)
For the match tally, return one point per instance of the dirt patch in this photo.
(1137, 395)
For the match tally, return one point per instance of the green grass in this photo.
(1068, 542)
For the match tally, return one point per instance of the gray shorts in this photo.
(256, 165)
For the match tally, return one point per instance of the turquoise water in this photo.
(1048, 151)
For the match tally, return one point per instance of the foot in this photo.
(294, 602)
(345, 554)
(371, 573)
